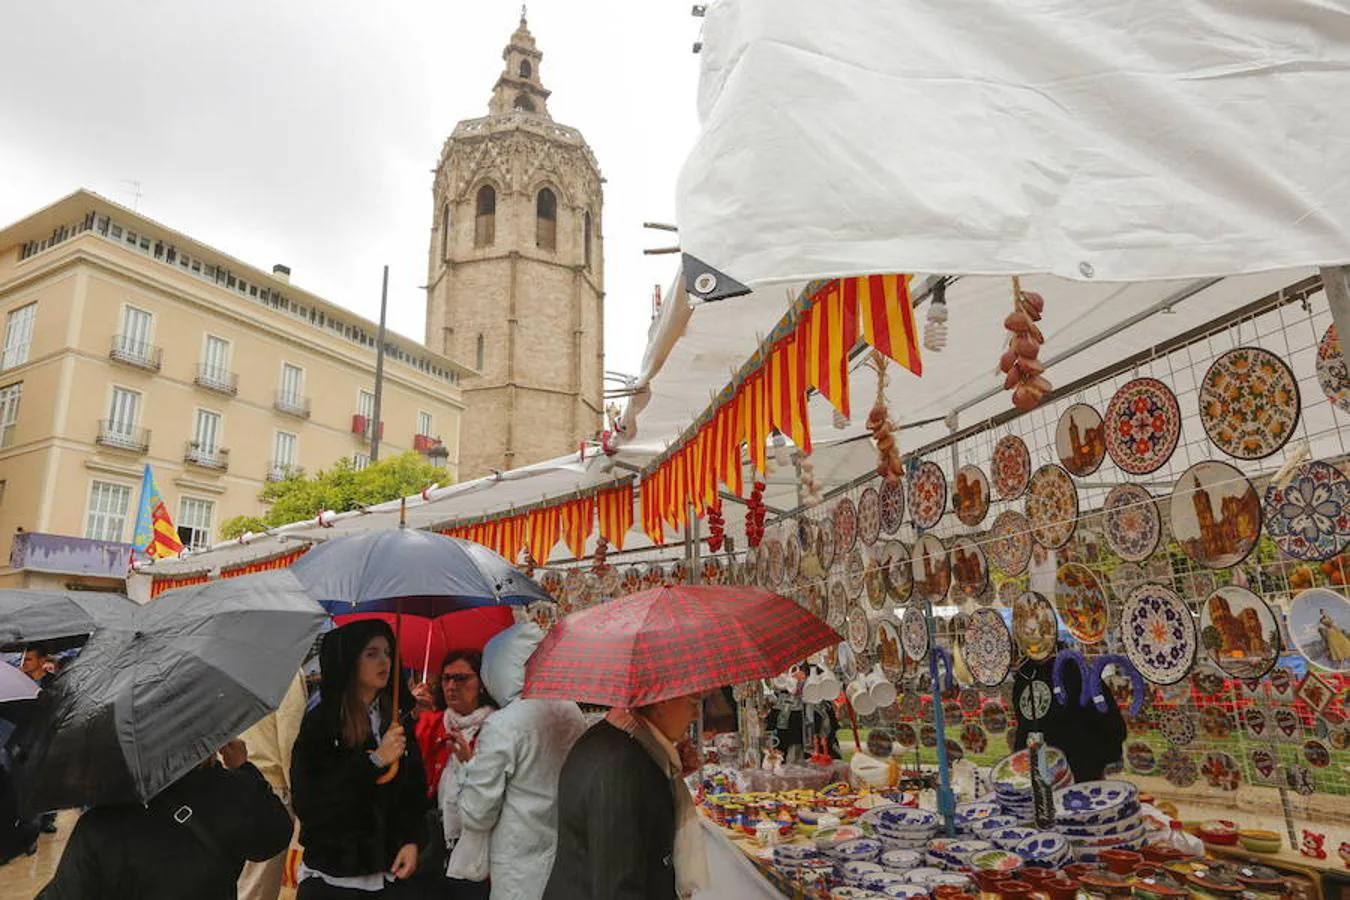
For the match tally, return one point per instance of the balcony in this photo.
(135, 353)
(280, 471)
(123, 436)
(423, 443)
(217, 458)
(213, 378)
(361, 427)
(292, 404)
(58, 554)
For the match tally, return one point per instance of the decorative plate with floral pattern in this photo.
(1177, 725)
(970, 572)
(988, 655)
(970, 495)
(1010, 542)
(1249, 403)
(825, 543)
(855, 572)
(1159, 634)
(1216, 514)
(914, 634)
(1309, 517)
(845, 518)
(927, 495)
(1052, 507)
(1178, 768)
(897, 570)
(1081, 601)
(1143, 424)
(869, 516)
(1332, 374)
(1011, 467)
(857, 629)
(932, 568)
(1080, 440)
(892, 497)
(1131, 522)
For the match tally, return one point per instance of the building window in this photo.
(546, 220)
(206, 433)
(485, 218)
(424, 423)
(18, 336)
(123, 414)
(526, 70)
(524, 103)
(586, 236)
(216, 362)
(283, 454)
(194, 523)
(480, 353)
(365, 405)
(292, 384)
(9, 411)
(136, 332)
(360, 461)
(445, 231)
(108, 505)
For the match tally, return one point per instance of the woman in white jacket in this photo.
(508, 791)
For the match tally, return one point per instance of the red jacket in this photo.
(435, 746)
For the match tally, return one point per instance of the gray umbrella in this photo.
(147, 700)
(57, 619)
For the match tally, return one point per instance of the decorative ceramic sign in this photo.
(1158, 633)
(1216, 514)
(1143, 424)
(897, 570)
(1177, 725)
(970, 495)
(914, 634)
(889, 650)
(1034, 626)
(1011, 467)
(869, 516)
(927, 495)
(1316, 693)
(1080, 440)
(845, 519)
(1010, 543)
(1254, 720)
(1052, 507)
(1309, 516)
(988, 655)
(1332, 373)
(1282, 682)
(1239, 633)
(892, 505)
(1287, 723)
(1131, 522)
(1263, 763)
(1319, 625)
(1081, 601)
(1249, 403)
(970, 572)
(932, 569)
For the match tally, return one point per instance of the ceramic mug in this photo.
(860, 695)
(821, 686)
(880, 688)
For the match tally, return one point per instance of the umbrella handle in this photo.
(389, 774)
(392, 771)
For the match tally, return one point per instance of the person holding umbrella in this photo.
(360, 828)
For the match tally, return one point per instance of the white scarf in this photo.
(447, 792)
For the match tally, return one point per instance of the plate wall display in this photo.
(892, 512)
(1216, 514)
(792, 558)
(927, 495)
(1010, 542)
(1034, 626)
(857, 629)
(1319, 625)
(825, 543)
(1081, 601)
(1178, 768)
(1282, 682)
(974, 739)
(1131, 522)
(890, 652)
(875, 579)
(1052, 507)
(1249, 403)
(1317, 754)
(845, 519)
(855, 572)
(574, 583)
(1239, 632)
(1141, 758)
(994, 716)
(1308, 518)
(970, 495)
(773, 548)
(898, 571)
(914, 634)
(1221, 771)
(1215, 723)
(1159, 635)
(1080, 440)
(1143, 424)
(932, 568)
(1332, 373)
(971, 701)
(838, 608)
(1011, 467)
(970, 572)
(869, 516)
(988, 655)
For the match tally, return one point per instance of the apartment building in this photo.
(128, 343)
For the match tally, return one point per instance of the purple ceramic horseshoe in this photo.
(1062, 658)
(1125, 666)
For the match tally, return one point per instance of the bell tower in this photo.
(515, 273)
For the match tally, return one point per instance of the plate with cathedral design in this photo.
(1216, 514)
(1052, 507)
(970, 495)
(932, 569)
(898, 570)
(892, 505)
(875, 578)
(1308, 517)
(1332, 373)
(1249, 403)
(1158, 632)
(1080, 440)
(890, 652)
(970, 572)
(1081, 601)
(927, 495)
(1239, 633)
(1131, 522)
(1011, 467)
(1010, 542)
(1143, 425)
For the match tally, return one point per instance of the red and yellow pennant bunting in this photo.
(888, 318)
(578, 518)
(544, 527)
(616, 514)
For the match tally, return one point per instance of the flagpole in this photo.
(379, 370)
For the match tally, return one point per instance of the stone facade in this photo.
(515, 276)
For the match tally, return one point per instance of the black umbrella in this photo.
(57, 620)
(149, 699)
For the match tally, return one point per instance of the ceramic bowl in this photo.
(922, 875)
(854, 871)
(904, 891)
(860, 849)
(900, 860)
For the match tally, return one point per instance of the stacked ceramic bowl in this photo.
(1046, 849)
(969, 817)
(901, 827)
(797, 861)
(954, 853)
(1011, 777)
(1097, 816)
(1009, 837)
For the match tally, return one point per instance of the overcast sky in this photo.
(304, 131)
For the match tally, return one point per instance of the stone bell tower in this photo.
(516, 274)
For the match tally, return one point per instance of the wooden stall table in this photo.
(1290, 862)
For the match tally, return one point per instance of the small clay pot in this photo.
(1121, 862)
(1076, 871)
(1035, 875)
(1060, 888)
(1014, 889)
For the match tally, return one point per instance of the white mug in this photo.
(860, 696)
(820, 687)
(879, 688)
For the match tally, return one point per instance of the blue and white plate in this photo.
(923, 875)
(900, 860)
(1010, 837)
(1098, 819)
(898, 844)
(879, 881)
(1043, 846)
(1093, 797)
(977, 810)
(867, 849)
(904, 891)
(1110, 829)
(995, 823)
(903, 817)
(793, 854)
(855, 872)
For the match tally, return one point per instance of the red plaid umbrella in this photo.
(672, 641)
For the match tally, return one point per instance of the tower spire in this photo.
(518, 88)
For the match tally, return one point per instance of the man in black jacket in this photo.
(190, 841)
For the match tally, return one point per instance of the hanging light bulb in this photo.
(935, 329)
(781, 455)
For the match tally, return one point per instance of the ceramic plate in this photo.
(927, 495)
(1316, 753)
(1010, 543)
(869, 516)
(1131, 522)
(1319, 624)
(914, 634)
(792, 558)
(974, 739)
(970, 495)
(890, 652)
(1012, 773)
(892, 505)
(1052, 507)
(875, 580)
(838, 608)
(1216, 514)
(1034, 626)
(857, 629)
(855, 572)
(1249, 403)
(932, 568)
(988, 655)
(1141, 758)
(1221, 771)
(1332, 374)
(845, 519)
(1239, 632)
(994, 716)
(825, 543)
(970, 572)
(1215, 723)
(1158, 632)
(1081, 601)
(897, 570)
(1093, 797)
(1011, 467)
(1309, 517)
(777, 569)
(1143, 424)
(1080, 440)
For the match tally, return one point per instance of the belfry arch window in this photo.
(546, 220)
(445, 231)
(526, 70)
(485, 218)
(479, 350)
(524, 104)
(586, 236)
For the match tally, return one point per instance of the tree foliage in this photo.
(341, 488)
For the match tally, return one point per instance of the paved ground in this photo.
(25, 876)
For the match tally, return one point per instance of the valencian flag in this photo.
(155, 535)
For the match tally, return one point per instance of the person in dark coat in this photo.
(190, 841)
(1090, 740)
(627, 829)
(358, 835)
